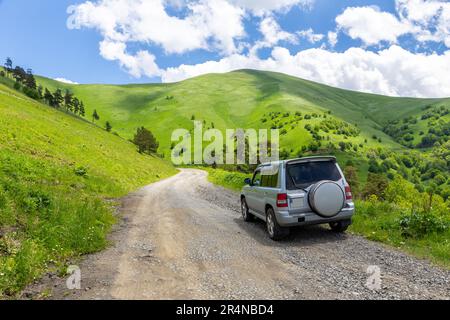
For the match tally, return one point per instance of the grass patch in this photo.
(382, 222)
(58, 176)
(227, 179)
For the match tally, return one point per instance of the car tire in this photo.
(276, 232)
(246, 215)
(340, 226)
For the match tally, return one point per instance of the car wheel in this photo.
(339, 226)
(246, 215)
(276, 232)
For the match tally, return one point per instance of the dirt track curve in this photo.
(184, 238)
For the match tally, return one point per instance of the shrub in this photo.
(81, 171)
(419, 224)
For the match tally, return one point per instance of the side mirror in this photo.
(248, 181)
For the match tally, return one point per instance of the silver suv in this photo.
(298, 192)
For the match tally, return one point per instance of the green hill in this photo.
(58, 176)
(242, 99)
(57, 170)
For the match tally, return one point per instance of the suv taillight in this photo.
(348, 193)
(282, 200)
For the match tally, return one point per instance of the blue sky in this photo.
(372, 46)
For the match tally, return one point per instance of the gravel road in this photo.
(184, 238)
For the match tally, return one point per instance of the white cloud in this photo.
(426, 20)
(273, 33)
(147, 21)
(310, 35)
(393, 71)
(332, 38)
(64, 80)
(138, 65)
(263, 6)
(432, 18)
(371, 25)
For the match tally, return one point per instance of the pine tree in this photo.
(48, 97)
(68, 101)
(82, 110)
(145, 141)
(30, 81)
(76, 105)
(19, 74)
(95, 116)
(58, 98)
(8, 65)
(40, 91)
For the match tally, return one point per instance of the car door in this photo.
(252, 193)
(267, 192)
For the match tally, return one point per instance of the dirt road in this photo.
(184, 238)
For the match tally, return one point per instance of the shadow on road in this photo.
(306, 236)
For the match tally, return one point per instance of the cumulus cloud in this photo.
(147, 21)
(138, 65)
(183, 26)
(431, 17)
(310, 35)
(371, 25)
(64, 80)
(263, 6)
(332, 38)
(426, 20)
(393, 71)
(273, 34)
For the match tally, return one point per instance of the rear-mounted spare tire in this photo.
(326, 198)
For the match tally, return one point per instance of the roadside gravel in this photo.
(183, 238)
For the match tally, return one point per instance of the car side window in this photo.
(269, 181)
(257, 179)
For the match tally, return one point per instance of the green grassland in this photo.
(58, 172)
(240, 100)
(58, 177)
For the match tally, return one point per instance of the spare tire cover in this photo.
(326, 198)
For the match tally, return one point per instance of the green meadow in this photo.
(61, 175)
(59, 178)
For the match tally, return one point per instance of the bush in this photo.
(420, 224)
(81, 171)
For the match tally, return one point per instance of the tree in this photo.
(57, 98)
(82, 110)
(145, 141)
(8, 65)
(108, 126)
(48, 97)
(95, 116)
(376, 185)
(40, 91)
(68, 101)
(30, 81)
(76, 105)
(19, 74)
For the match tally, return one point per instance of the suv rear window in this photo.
(303, 175)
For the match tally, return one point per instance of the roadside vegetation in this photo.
(59, 178)
(388, 211)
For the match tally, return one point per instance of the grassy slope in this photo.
(239, 99)
(49, 213)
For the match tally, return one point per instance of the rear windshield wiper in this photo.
(296, 185)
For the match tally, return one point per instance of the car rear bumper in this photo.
(286, 219)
